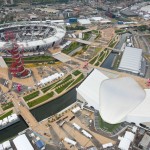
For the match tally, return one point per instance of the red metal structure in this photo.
(148, 82)
(85, 65)
(17, 68)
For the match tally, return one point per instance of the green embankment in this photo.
(6, 115)
(40, 99)
(76, 81)
(106, 126)
(77, 72)
(71, 47)
(31, 96)
(7, 105)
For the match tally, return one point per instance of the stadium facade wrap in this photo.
(33, 35)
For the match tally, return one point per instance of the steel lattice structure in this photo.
(17, 68)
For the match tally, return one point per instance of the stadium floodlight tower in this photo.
(17, 68)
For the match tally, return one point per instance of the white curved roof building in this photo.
(33, 35)
(119, 97)
(118, 100)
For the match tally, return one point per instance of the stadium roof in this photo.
(118, 97)
(141, 113)
(59, 33)
(114, 99)
(22, 143)
(131, 60)
(91, 95)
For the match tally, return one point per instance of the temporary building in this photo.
(51, 78)
(129, 135)
(86, 134)
(124, 144)
(84, 21)
(75, 110)
(70, 141)
(39, 144)
(6, 145)
(131, 60)
(107, 145)
(1, 147)
(76, 126)
(21, 142)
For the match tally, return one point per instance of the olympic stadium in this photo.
(32, 35)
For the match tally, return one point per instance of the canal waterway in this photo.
(54, 106)
(13, 130)
(110, 59)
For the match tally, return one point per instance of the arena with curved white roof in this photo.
(117, 100)
(33, 35)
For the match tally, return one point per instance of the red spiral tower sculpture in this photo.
(17, 68)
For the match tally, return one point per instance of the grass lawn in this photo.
(62, 88)
(40, 99)
(102, 57)
(34, 58)
(31, 96)
(77, 72)
(97, 64)
(120, 31)
(93, 60)
(112, 44)
(6, 115)
(95, 31)
(86, 35)
(71, 47)
(106, 126)
(45, 89)
(64, 80)
(7, 106)
(77, 80)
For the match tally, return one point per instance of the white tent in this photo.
(107, 145)
(22, 143)
(134, 129)
(6, 145)
(76, 109)
(70, 141)
(51, 78)
(129, 135)
(1, 147)
(76, 126)
(86, 134)
(124, 144)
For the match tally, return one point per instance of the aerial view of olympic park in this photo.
(75, 75)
